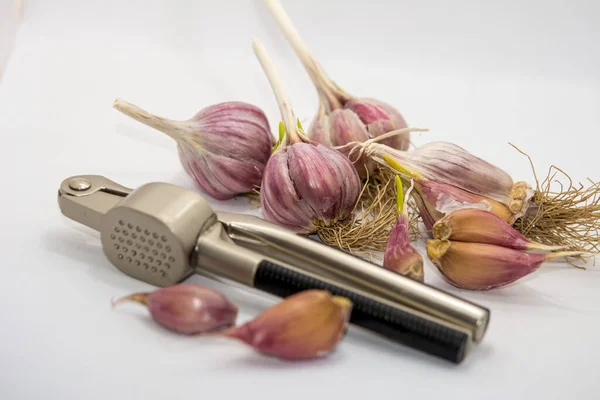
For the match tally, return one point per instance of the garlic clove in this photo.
(400, 256)
(480, 226)
(187, 308)
(479, 266)
(306, 325)
(224, 147)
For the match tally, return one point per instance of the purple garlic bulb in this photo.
(342, 118)
(305, 184)
(224, 147)
(188, 308)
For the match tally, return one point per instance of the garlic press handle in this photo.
(87, 198)
(283, 245)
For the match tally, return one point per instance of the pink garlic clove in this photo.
(187, 308)
(306, 325)
(400, 256)
(224, 147)
(480, 226)
(479, 266)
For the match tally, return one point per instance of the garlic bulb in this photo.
(306, 325)
(479, 266)
(342, 118)
(224, 147)
(399, 255)
(187, 308)
(304, 184)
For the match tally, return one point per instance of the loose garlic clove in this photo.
(187, 308)
(399, 255)
(224, 147)
(479, 266)
(480, 226)
(306, 325)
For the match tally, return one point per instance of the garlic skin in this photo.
(187, 308)
(480, 226)
(480, 266)
(306, 184)
(435, 200)
(375, 117)
(399, 255)
(303, 326)
(450, 164)
(224, 147)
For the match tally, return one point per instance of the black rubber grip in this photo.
(391, 322)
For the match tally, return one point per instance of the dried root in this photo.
(368, 230)
(563, 213)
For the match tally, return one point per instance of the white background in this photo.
(478, 73)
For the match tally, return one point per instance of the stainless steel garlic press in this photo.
(161, 234)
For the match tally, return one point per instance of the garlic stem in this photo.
(172, 128)
(561, 254)
(325, 87)
(141, 298)
(285, 107)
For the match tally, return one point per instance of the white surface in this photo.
(476, 73)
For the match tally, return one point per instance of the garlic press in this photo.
(161, 234)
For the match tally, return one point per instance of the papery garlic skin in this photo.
(188, 308)
(224, 147)
(479, 266)
(435, 200)
(306, 325)
(450, 164)
(306, 184)
(479, 226)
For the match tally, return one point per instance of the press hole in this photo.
(121, 240)
(117, 246)
(155, 235)
(167, 266)
(158, 262)
(171, 258)
(146, 232)
(120, 256)
(129, 242)
(150, 259)
(159, 245)
(146, 265)
(163, 255)
(163, 238)
(151, 242)
(168, 249)
(137, 228)
(130, 226)
(133, 235)
(162, 273)
(142, 256)
(121, 222)
(125, 232)
(137, 263)
(125, 249)
(143, 239)
(129, 259)
(146, 249)
(155, 252)
(117, 229)
(138, 246)
(133, 253)
(113, 236)
(154, 269)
